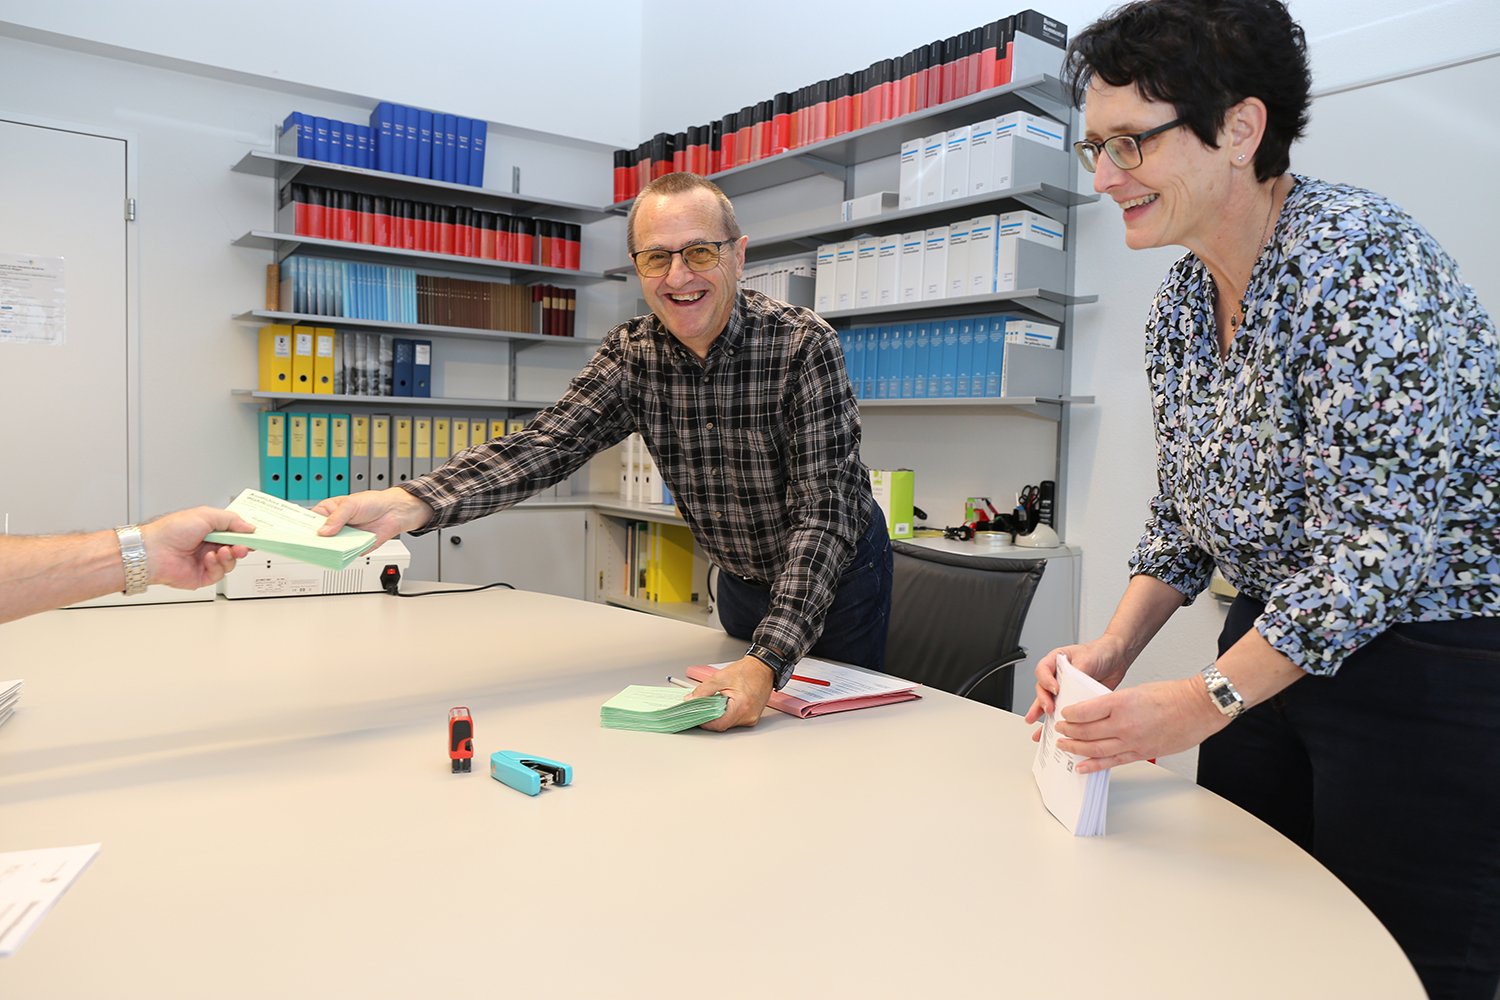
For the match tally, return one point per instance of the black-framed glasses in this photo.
(1124, 150)
(701, 256)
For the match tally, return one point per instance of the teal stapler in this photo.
(527, 772)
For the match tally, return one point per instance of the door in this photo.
(64, 420)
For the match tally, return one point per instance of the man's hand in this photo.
(177, 555)
(385, 512)
(747, 683)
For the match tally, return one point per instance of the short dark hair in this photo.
(1203, 57)
(682, 182)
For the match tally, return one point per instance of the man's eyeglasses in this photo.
(1124, 150)
(697, 256)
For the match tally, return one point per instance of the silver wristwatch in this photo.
(1224, 696)
(133, 555)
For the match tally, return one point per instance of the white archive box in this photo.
(1031, 371)
(823, 278)
(866, 271)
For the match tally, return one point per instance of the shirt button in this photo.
(718, 515)
(709, 425)
(705, 380)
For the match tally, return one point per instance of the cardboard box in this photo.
(894, 490)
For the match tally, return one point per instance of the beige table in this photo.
(270, 782)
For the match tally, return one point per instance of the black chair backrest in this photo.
(956, 618)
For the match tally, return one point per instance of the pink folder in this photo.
(783, 702)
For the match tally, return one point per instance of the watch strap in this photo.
(1225, 698)
(780, 665)
(133, 556)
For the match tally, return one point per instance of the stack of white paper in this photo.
(1079, 801)
(30, 883)
(10, 693)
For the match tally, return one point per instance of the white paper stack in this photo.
(1079, 801)
(10, 693)
(30, 883)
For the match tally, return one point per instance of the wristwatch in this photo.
(133, 555)
(1224, 696)
(780, 665)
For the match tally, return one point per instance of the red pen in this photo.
(810, 680)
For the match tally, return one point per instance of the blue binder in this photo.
(401, 366)
(381, 123)
(424, 144)
(462, 132)
(478, 139)
(421, 368)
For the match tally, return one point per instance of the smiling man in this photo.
(746, 408)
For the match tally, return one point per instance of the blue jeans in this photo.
(854, 629)
(1386, 773)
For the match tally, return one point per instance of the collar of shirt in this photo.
(728, 342)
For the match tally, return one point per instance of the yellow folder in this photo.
(479, 431)
(276, 358)
(497, 428)
(302, 359)
(460, 435)
(674, 564)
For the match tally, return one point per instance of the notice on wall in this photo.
(33, 299)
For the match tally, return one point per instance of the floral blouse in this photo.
(1342, 463)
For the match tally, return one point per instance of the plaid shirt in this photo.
(759, 444)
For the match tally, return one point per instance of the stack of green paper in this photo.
(659, 709)
(288, 529)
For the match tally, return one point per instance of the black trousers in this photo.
(1389, 774)
(855, 627)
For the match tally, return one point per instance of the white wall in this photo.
(566, 68)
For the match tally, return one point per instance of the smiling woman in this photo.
(1326, 390)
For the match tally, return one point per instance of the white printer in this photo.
(262, 574)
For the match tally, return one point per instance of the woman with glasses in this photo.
(1327, 413)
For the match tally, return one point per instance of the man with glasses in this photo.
(745, 406)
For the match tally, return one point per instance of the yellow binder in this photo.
(497, 428)
(302, 359)
(460, 435)
(674, 564)
(514, 424)
(380, 451)
(479, 431)
(276, 358)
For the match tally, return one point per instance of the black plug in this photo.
(390, 580)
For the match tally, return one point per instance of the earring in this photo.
(1241, 157)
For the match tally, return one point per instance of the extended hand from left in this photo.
(1138, 723)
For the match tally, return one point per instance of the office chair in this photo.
(956, 620)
